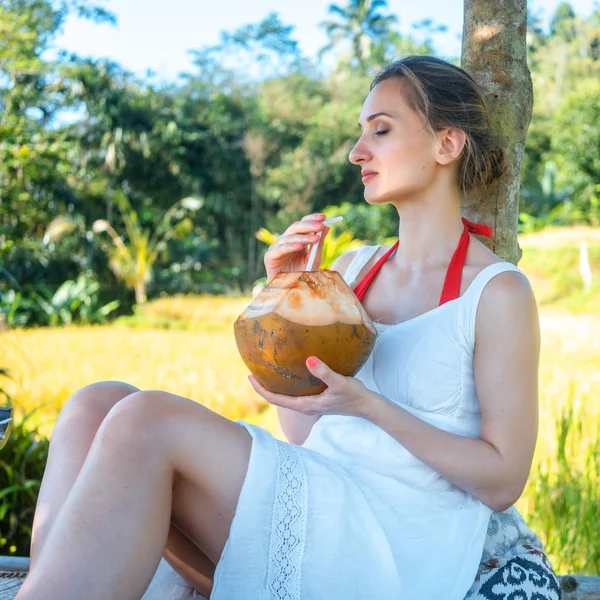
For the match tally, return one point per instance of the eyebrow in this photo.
(374, 116)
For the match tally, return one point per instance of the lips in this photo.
(367, 175)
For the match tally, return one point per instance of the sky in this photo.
(157, 34)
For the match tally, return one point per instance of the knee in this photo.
(138, 423)
(137, 419)
(93, 402)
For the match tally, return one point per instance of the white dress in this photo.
(351, 514)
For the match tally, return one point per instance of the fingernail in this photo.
(311, 361)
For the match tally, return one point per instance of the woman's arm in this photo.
(297, 426)
(495, 467)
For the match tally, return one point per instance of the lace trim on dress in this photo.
(288, 530)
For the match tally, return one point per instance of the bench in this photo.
(13, 570)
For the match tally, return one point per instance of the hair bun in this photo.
(495, 163)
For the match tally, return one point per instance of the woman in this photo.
(398, 482)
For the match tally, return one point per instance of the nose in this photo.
(359, 153)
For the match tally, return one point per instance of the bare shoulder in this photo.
(507, 298)
(507, 307)
(341, 263)
(509, 288)
(507, 339)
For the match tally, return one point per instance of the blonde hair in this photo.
(447, 96)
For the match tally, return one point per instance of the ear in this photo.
(451, 142)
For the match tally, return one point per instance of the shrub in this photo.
(22, 464)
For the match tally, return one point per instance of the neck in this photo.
(430, 229)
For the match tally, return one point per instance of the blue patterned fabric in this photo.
(525, 577)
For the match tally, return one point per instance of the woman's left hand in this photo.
(343, 395)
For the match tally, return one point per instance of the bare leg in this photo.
(72, 438)
(155, 453)
(189, 561)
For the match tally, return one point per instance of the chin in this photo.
(372, 196)
(391, 196)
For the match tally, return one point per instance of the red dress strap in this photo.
(477, 228)
(451, 289)
(361, 289)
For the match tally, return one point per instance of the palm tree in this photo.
(131, 257)
(132, 261)
(360, 22)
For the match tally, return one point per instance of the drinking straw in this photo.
(313, 250)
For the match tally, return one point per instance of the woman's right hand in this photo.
(291, 250)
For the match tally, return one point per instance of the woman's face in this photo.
(396, 152)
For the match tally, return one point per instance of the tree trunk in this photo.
(494, 53)
(140, 292)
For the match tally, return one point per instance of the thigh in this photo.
(209, 455)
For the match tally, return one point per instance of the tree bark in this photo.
(494, 53)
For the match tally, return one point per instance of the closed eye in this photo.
(383, 132)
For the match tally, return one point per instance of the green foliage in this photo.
(371, 224)
(34, 158)
(562, 22)
(22, 464)
(338, 245)
(17, 310)
(261, 147)
(548, 205)
(576, 142)
(565, 68)
(555, 272)
(74, 302)
(594, 208)
(333, 247)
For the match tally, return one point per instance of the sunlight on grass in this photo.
(48, 365)
(562, 499)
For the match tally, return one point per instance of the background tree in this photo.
(262, 144)
(360, 23)
(494, 53)
(132, 261)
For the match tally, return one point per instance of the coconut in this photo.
(302, 314)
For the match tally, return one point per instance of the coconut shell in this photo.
(302, 314)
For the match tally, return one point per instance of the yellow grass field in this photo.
(47, 365)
